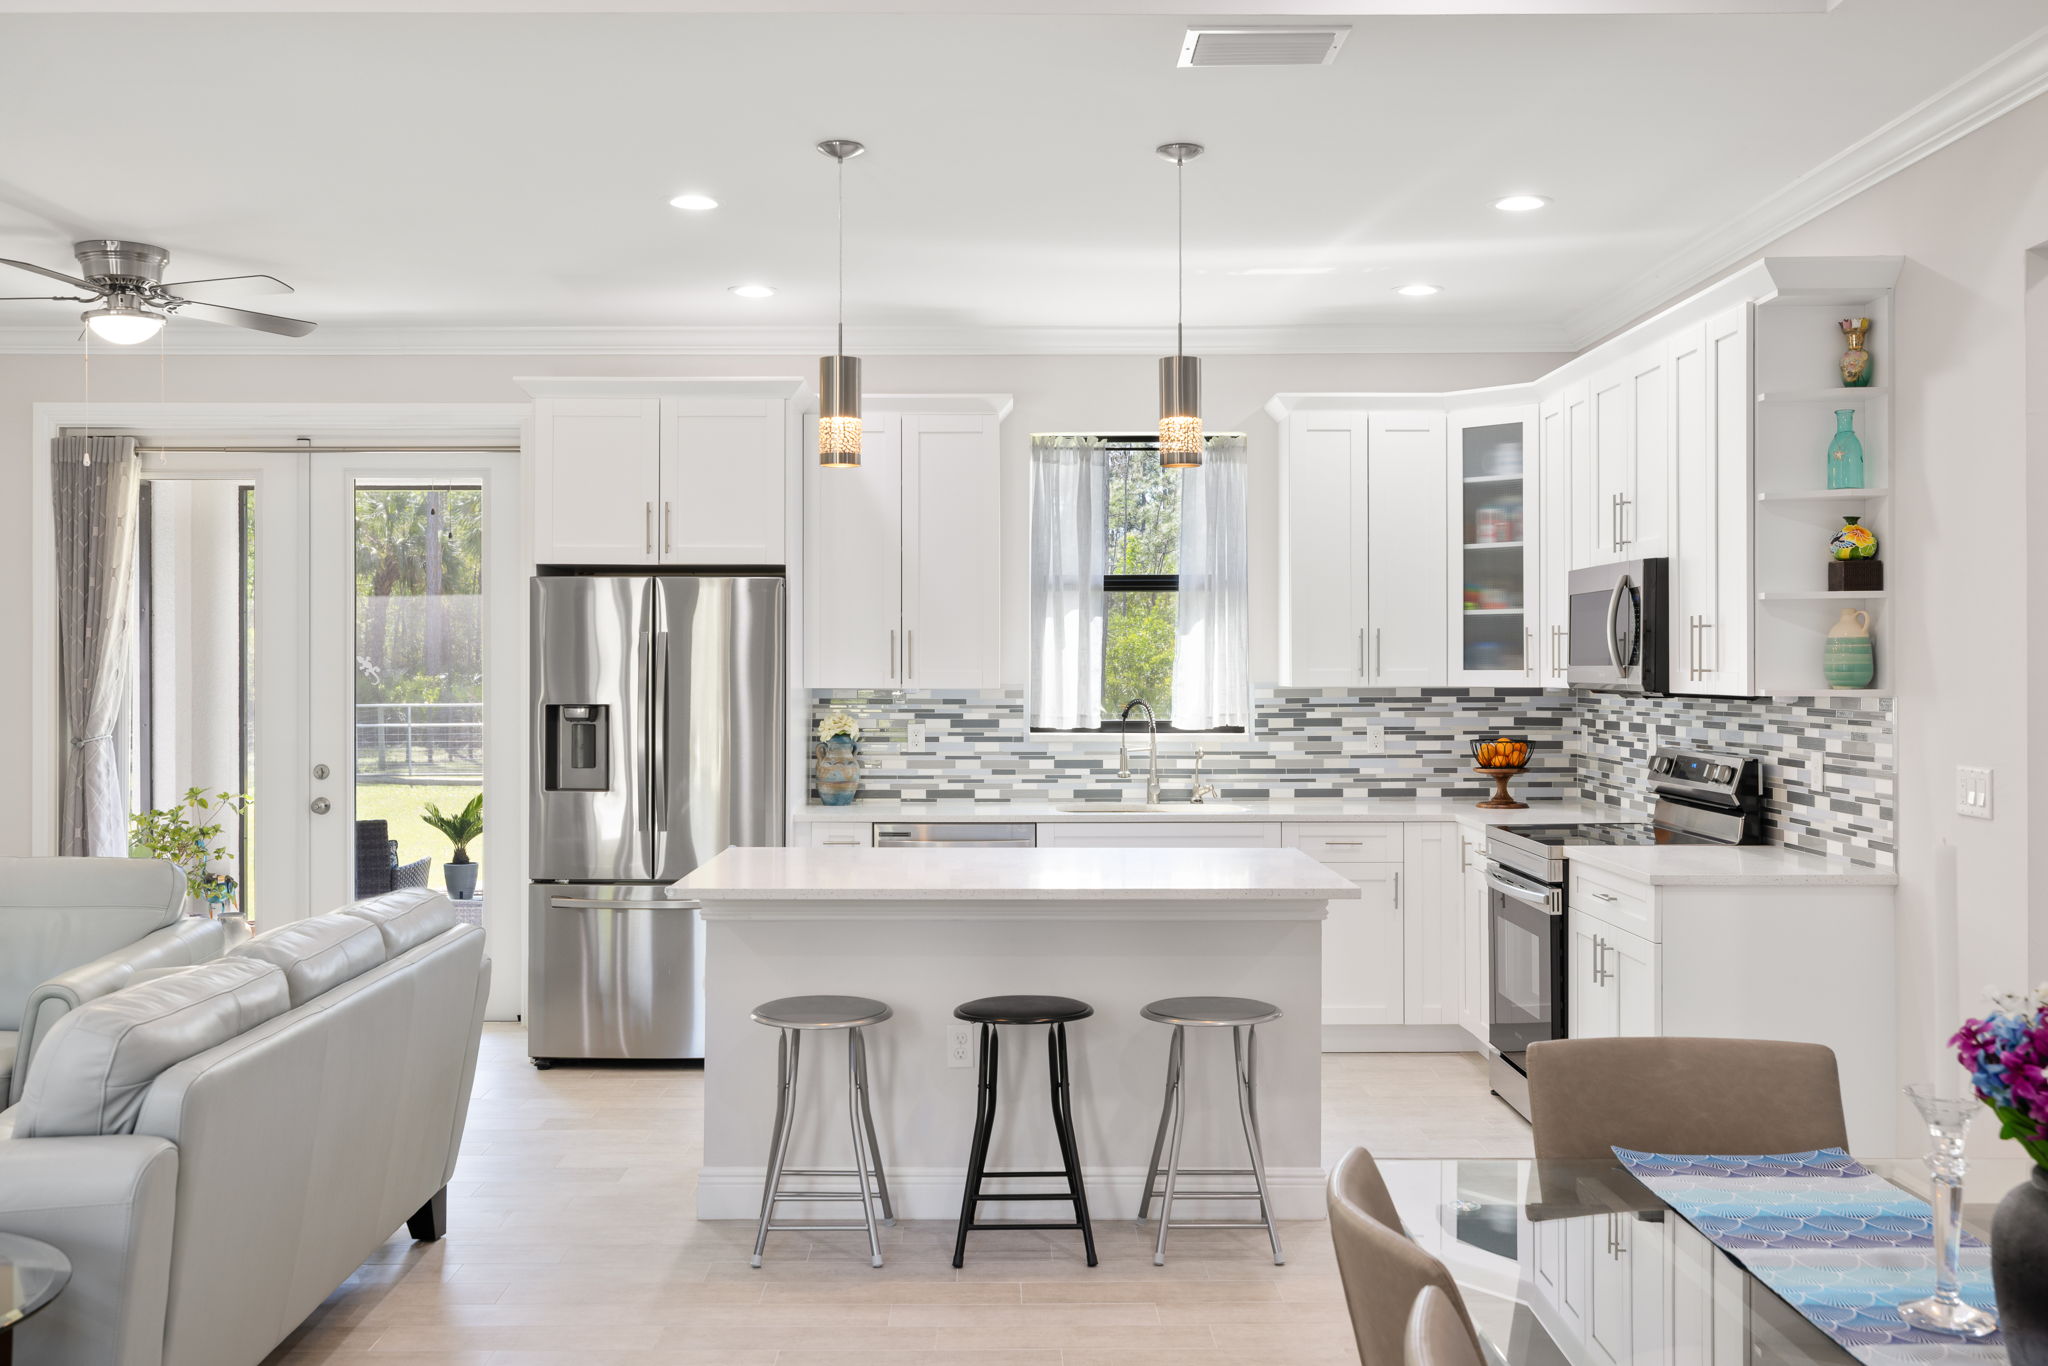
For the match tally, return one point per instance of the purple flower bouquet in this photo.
(2006, 1053)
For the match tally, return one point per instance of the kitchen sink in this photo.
(1147, 808)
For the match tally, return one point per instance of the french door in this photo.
(357, 620)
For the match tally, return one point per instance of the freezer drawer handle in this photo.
(596, 903)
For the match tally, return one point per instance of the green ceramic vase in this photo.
(1850, 662)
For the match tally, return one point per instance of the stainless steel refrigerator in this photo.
(658, 740)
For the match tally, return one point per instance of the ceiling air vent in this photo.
(1263, 46)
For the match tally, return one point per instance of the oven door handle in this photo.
(1528, 896)
(1620, 649)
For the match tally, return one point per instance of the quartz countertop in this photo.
(1305, 809)
(1214, 875)
(1724, 865)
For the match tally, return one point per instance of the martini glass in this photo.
(1948, 1121)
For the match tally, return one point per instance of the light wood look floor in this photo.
(573, 1242)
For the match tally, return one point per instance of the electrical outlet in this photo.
(1973, 792)
(959, 1045)
(1375, 739)
(915, 737)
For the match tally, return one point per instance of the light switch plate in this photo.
(1973, 791)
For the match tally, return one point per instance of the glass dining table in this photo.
(1579, 1264)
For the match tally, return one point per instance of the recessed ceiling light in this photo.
(754, 291)
(1419, 290)
(695, 203)
(1520, 203)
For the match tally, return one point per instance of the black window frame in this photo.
(1136, 583)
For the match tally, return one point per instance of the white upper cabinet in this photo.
(1404, 544)
(952, 530)
(902, 556)
(1364, 526)
(724, 471)
(1711, 598)
(853, 564)
(1631, 459)
(596, 480)
(661, 471)
(1554, 529)
(1323, 555)
(1495, 505)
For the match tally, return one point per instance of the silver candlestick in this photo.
(1948, 1122)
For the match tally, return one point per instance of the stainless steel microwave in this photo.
(1618, 640)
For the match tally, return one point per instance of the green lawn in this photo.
(401, 804)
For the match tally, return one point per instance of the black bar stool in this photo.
(1241, 1016)
(795, 1016)
(1054, 1012)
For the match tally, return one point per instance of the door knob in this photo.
(320, 806)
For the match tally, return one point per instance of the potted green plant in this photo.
(187, 835)
(459, 828)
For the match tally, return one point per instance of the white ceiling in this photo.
(444, 172)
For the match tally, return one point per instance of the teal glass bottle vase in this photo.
(1845, 452)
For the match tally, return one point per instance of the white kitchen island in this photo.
(925, 930)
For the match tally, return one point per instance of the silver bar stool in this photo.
(795, 1016)
(1242, 1017)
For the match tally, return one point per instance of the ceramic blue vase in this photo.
(1845, 452)
(838, 772)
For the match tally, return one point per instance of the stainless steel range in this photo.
(1701, 798)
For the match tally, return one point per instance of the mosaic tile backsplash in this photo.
(1828, 763)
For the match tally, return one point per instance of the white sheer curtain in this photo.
(1211, 684)
(1069, 549)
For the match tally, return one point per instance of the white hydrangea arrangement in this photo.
(837, 724)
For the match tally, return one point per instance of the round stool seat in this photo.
(1002, 1010)
(821, 1012)
(1211, 1010)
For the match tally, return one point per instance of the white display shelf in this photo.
(1495, 611)
(1818, 595)
(1494, 545)
(1494, 478)
(1825, 496)
(1835, 395)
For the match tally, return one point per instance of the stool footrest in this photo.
(1025, 1195)
(1219, 1223)
(1004, 1176)
(819, 1171)
(823, 1228)
(1179, 1194)
(977, 1226)
(1212, 1171)
(823, 1195)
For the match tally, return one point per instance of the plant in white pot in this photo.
(459, 828)
(838, 764)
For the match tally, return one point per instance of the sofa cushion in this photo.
(56, 913)
(317, 954)
(407, 919)
(97, 1063)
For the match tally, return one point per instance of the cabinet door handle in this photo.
(1361, 652)
(1707, 666)
(1528, 652)
(1621, 521)
(1397, 889)
(1379, 658)
(668, 542)
(892, 656)
(650, 528)
(909, 655)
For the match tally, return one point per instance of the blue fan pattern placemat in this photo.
(1834, 1240)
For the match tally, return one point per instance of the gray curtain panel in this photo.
(94, 482)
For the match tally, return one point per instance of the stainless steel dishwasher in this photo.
(956, 836)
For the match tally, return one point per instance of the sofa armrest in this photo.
(108, 1204)
(191, 940)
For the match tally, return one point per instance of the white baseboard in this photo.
(1351, 1038)
(934, 1193)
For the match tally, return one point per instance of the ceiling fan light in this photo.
(123, 324)
(1180, 412)
(839, 412)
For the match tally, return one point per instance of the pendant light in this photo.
(839, 373)
(1180, 375)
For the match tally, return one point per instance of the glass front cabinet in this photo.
(1495, 597)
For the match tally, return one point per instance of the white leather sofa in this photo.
(74, 929)
(218, 1147)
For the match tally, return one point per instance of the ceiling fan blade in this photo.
(55, 275)
(239, 317)
(258, 284)
(48, 298)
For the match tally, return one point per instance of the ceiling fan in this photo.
(124, 279)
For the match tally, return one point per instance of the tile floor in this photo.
(573, 1243)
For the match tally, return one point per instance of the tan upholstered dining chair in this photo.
(1382, 1268)
(1587, 1096)
(1438, 1334)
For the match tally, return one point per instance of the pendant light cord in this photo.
(840, 228)
(1180, 257)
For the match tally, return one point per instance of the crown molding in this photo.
(1998, 87)
(347, 339)
(777, 387)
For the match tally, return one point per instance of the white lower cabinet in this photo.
(1475, 970)
(1432, 926)
(1613, 1290)
(1159, 835)
(1614, 981)
(1363, 970)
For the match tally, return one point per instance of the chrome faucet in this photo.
(1202, 791)
(1123, 749)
